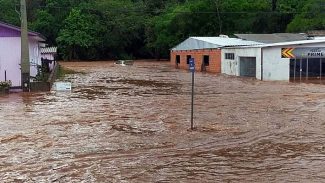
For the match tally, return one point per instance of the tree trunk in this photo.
(217, 4)
(157, 53)
(70, 54)
(274, 2)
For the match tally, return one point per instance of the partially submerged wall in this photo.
(232, 66)
(214, 59)
(45, 86)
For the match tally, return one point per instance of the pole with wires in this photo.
(25, 65)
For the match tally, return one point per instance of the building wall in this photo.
(275, 68)
(214, 59)
(232, 67)
(35, 56)
(10, 51)
(10, 59)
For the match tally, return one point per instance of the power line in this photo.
(126, 10)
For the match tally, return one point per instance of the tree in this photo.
(46, 24)
(8, 12)
(110, 29)
(312, 17)
(77, 33)
(124, 24)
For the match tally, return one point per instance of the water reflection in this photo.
(130, 124)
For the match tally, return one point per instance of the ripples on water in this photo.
(130, 124)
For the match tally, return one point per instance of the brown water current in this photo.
(131, 124)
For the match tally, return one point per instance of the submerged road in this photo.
(131, 124)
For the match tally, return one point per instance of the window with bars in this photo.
(178, 59)
(230, 56)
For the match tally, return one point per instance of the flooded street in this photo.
(131, 124)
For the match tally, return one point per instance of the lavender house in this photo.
(10, 56)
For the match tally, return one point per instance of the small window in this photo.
(230, 56)
(188, 57)
(178, 59)
(206, 60)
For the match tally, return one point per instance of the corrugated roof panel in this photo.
(195, 43)
(292, 43)
(224, 41)
(48, 50)
(273, 38)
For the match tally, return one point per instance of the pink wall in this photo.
(10, 58)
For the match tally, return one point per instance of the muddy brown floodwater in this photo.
(130, 124)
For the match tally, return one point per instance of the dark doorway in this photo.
(178, 61)
(188, 57)
(206, 62)
(248, 66)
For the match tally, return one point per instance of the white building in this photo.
(277, 61)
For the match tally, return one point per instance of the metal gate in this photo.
(247, 66)
(307, 69)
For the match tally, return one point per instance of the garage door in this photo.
(248, 66)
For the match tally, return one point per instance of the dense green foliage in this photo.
(110, 29)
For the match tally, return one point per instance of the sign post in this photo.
(192, 69)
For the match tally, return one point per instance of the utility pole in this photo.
(25, 65)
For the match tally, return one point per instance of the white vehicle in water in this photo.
(124, 62)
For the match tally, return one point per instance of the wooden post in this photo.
(25, 65)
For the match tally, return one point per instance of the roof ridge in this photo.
(11, 26)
